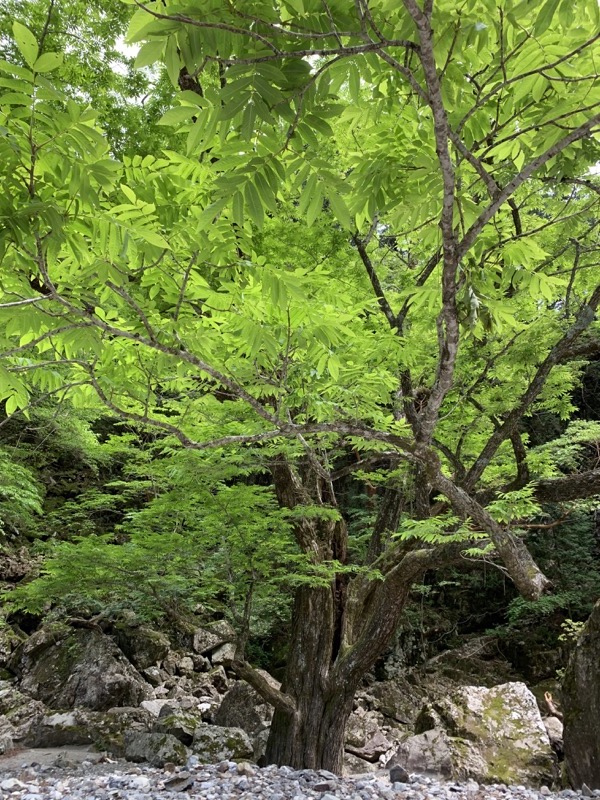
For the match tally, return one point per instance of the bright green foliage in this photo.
(21, 497)
(372, 238)
(82, 46)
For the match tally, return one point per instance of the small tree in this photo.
(370, 248)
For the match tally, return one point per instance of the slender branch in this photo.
(575, 135)
(557, 353)
(375, 282)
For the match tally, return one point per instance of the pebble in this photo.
(244, 781)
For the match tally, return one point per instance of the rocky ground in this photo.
(75, 774)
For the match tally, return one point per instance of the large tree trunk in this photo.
(312, 736)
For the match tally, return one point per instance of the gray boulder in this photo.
(213, 743)
(106, 730)
(212, 636)
(156, 748)
(18, 713)
(144, 647)
(178, 723)
(581, 702)
(364, 737)
(68, 668)
(492, 735)
(242, 707)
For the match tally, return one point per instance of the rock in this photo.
(58, 730)
(213, 743)
(242, 707)
(581, 701)
(18, 713)
(357, 766)
(428, 752)
(105, 729)
(490, 735)
(180, 782)
(9, 640)
(156, 748)
(154, 675)
(80, 667)
(554, 729)
(375, 746)
(143, 646)
(399, 775)
(397, 699)
(212, 636)
(185, 666)
(224, 653)
(154, 706)
(178, 723)
(213, 683)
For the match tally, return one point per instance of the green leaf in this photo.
(254, 205)
(47, 62)
(315, 206)
(149, 53)
(175, 116)
(340, 209)
(544, 18)
(26, 43)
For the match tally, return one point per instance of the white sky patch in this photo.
(127, 50)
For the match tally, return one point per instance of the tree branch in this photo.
(275, 697)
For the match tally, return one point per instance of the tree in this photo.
(370, 251)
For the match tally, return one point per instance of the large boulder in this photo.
(143, 647)
(212, 636)
(364, 737)
(581, 701)
(493, 735)
(68, 668)
(156, 748)
(213, 743)
(107, 730)
(179, 723)
(18, 713)
(242, 707)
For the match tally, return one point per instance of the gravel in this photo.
(238, 781)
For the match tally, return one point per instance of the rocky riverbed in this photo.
(63, 777)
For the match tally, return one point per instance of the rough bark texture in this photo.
(571, 487)
(581, 700)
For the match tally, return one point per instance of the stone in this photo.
(143, 646)
(224, 653)
(357, 766)
(492, 735)
(185, 666)
(213, 744)
(212, 636)
(399, 775)
(586, 791)
(156, 748)
(397, 699)
(68, 668)
(180, 782)
(179, 723)
(555, 730)
(154, 706)
(376, 745)
(581, 704)
(18, 712)
(106, 730)
(58, 730)
(428, 752)
(242, 707)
